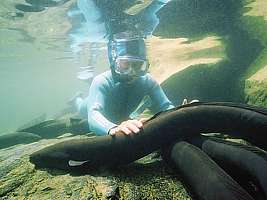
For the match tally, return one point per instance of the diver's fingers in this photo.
(113, 131)
(137, 123)
(185, 102)
(194, 101)
(125, 129)
(132, 127)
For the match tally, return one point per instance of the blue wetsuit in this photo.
(109, 103)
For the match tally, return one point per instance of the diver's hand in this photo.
(127, 127)
(143, 120)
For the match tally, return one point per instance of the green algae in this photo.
(256, 93)
(257, 29)
(214, 52)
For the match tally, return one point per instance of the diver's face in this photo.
(130, 69)
(131, 66)
(131, 80)
(128, 72)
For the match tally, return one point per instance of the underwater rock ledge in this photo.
(256, 93)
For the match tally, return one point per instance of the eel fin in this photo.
(74, 163)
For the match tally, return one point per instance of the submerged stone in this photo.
(46, 3)
(10, 139)
(28, 8)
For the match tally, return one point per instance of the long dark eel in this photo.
(246, 164)
(203, 178)
(158, 132)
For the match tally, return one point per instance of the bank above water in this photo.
(233, 70)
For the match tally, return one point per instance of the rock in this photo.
(10, 139)
(46, 3)
(39, 119)
(29, 8)
(53, 128)
(138, 7)
(47, 129)
(256, 93)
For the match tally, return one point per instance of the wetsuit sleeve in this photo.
(159, 100)
(98, 123)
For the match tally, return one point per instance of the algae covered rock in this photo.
(255, 23)
(256, 92)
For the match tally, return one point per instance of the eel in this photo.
(244, 121)
(246, 164)
(203, 178)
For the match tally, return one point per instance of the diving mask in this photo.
(127, 58)
(130, 66)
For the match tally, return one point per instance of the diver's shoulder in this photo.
(105, 78)
(148, 78)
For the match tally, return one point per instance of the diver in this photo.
(115, 94)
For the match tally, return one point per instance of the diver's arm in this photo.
(98, 123)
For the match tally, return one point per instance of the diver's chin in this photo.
(131, 80)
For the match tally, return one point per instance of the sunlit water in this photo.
(41, 53)
(38, 65)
